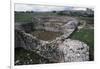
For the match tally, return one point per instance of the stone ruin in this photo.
(61, 49)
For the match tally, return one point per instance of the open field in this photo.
(27, 17)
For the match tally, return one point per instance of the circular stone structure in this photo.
(60, 49)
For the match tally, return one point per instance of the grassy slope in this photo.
(85, 35)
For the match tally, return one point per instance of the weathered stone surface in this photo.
(60, 49)
(28, 42)
(74, 50)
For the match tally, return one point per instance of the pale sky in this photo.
(30, 7)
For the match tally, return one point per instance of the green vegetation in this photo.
(23, 17)
(87, 36)
(27, 17)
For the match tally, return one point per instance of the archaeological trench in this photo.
(57, 50)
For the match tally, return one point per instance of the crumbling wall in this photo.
(60, 49)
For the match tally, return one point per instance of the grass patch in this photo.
(27, 17)
(87, 36)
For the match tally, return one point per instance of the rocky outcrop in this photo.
(44, 49)
(74, 50)
(60, 49)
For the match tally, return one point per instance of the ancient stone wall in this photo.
(60, 49)
(54, 24)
